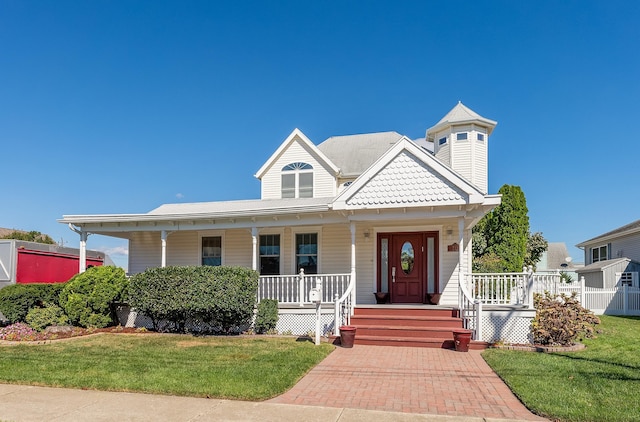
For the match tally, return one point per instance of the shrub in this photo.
(17, 299)
(87, 297)
(222, 297)
(267, 316)
(41, 318)
(561, 320)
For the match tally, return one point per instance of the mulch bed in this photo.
(66, 333)
(539, 348)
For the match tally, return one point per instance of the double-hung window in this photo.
(297, 180)
(599, 254)
(270, 254)
(307, 252)
(212, 250)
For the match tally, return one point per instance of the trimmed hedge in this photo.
(50, 314)
(221, 297)
(17, 299)
(87, 297)
(267, 316)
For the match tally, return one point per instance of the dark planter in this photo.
(347, 336)
(381, 297)
(433, 298)
(461, 339)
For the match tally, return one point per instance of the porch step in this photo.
(408, 326)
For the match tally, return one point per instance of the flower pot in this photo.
(347, 336)
(433, 298)
(381, 297)
(461, 339)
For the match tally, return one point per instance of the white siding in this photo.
(626, 247)
(238, 248)
(145, 251)
(183, 248)
(324, 184)
(336, 249)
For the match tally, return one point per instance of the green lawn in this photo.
(600, 383)
(255, 368)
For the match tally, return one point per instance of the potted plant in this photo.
(381, 297)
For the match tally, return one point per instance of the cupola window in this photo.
(461, 136)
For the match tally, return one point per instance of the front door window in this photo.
(407, 257)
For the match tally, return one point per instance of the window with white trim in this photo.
(269, 254)
(442, 141)
(462, 136)
(212, 250)
(600, 253)
(480, 137)
(626, 278)
(297, 180)
(307, 252)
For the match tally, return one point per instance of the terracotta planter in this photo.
(347, 336)
(381, 297)
(433, 298)
(461, 339)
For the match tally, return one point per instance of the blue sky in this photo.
(119, 107)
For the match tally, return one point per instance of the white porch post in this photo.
(83, 251)
(82, 265)
(254, 240)
(353, 264)
(163, 239)
(460, 250)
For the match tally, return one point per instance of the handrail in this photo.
(467, 302)
(345, 301)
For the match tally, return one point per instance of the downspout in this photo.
(83, 247)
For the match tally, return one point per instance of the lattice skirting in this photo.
(293, 321)
(509, 326)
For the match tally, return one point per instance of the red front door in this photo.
(408, 266)
(406, 259)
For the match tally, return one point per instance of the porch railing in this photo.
(343, 307)
(501, 288)
(470, 311)
(294, 289)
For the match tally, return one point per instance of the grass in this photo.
(600, 383)
(216, 367)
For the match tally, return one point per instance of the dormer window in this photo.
(297, 180)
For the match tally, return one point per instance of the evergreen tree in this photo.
(501, 240)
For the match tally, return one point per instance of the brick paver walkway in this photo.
(407, 379)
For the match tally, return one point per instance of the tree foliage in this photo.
(32, 236)
(502, 241)
(87, 297)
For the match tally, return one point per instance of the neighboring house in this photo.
(613, 258)
(31, 262)
(557, 259)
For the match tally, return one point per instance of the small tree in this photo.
(267, 316)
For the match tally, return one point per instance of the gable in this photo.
(407, 176)
(297, 148)
(406, 181)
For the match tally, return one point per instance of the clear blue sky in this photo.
(120, 106)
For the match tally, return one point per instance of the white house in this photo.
(375, 211)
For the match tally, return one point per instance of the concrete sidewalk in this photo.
(20, 403)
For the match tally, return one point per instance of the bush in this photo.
(87, 297)
(267, 316)
(41, 318)
(17, 299)
(221, 297)
(561, 320)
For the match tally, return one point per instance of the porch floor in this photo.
(407, 379)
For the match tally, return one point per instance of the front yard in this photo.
(600, 383)
(253, 368)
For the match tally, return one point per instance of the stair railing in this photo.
(470, 310)
(343, 306)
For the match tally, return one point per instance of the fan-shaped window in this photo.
(297, 180)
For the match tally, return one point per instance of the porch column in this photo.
(353, 264)
(254, 240)
(460, 249)
(83, 251)
(163, 239)
(82, 265)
